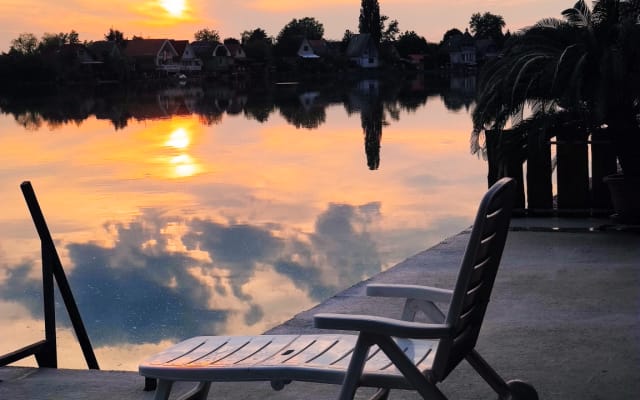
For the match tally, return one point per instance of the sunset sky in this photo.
(179, 19)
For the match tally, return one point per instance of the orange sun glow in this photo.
(174, 7)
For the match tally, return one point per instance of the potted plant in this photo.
(579, 73)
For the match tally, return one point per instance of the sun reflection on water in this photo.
(179, 139)
(183, 165)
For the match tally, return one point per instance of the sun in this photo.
(174, 7)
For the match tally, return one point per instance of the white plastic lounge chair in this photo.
(386, 353)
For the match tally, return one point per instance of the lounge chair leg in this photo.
(488, 374)
(427, 389)
(356, 365)
(200, 392)
(163, 390)
(380, 394)
(150, 384)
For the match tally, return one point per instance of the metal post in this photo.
(48, 356)
(50, 257)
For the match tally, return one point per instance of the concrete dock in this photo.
(564, 316)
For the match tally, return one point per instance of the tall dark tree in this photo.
(253, 35)
(257, 44)
(207, 35)
(73, 37)
(25, 44)
(389, 31)
(451, 33)
(487, 26)
(52, 41)
(295, 31)
(114, 35)
(372, 121)
(411, 43)
(306, 27)
(370, 21)
(231, 40)
(346, 38)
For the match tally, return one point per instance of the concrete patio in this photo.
(564, 316)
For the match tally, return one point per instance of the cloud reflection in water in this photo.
(145, 288)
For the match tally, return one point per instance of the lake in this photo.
(187, 210)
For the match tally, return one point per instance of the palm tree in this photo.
(581, 73)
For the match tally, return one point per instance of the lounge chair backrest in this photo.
(476, 277)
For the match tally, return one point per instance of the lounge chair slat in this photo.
(319, 345)
(297, 348)
(277, 344)
(184, 348)
(334, 353)
(231, 346)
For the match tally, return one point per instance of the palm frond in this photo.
(579, 15)
(547, 23)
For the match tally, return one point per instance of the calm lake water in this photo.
(181, 211)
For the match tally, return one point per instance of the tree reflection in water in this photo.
(302, 105)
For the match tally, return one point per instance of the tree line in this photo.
(44, 59)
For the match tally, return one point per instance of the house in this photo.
(189, 61)
(311, 49)
(237, 54)
(228, 55)
(235, 50)
(222, 60)
(152, 55)
(363, 51)
(462, 50)
(468, 52)
(204, 50)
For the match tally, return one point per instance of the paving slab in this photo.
(564, 316)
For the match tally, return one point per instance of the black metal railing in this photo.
(45, 351)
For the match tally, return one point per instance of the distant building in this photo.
(189, 61)
(462, 50)
(221, 57)
(467, 52)
(204, 50)
(312, 49)
(152, 55)
(363, 51)
(235, 50)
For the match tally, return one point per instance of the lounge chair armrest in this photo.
(381, 326)
(427, 293)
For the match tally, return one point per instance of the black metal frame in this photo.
(45, 351)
